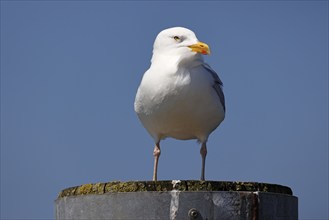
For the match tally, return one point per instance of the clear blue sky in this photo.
(70, 71)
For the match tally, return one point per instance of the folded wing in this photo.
(218, 84)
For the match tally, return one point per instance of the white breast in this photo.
(181, 104)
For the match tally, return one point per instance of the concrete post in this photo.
(177, 200)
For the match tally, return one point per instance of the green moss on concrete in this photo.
(163, 186)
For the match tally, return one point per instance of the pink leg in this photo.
(203, 152)
(156, 154)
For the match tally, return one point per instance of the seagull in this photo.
(180, 96)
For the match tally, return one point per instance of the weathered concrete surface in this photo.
(177, 200)
(168, 185)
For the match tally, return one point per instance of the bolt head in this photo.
(193, 213)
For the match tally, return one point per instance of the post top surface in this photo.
(168, 185)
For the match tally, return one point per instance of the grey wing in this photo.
(218, 84)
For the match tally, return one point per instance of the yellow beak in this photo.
(200, 47)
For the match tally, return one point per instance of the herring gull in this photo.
(180, 96)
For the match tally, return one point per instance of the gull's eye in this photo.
(176, 38)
